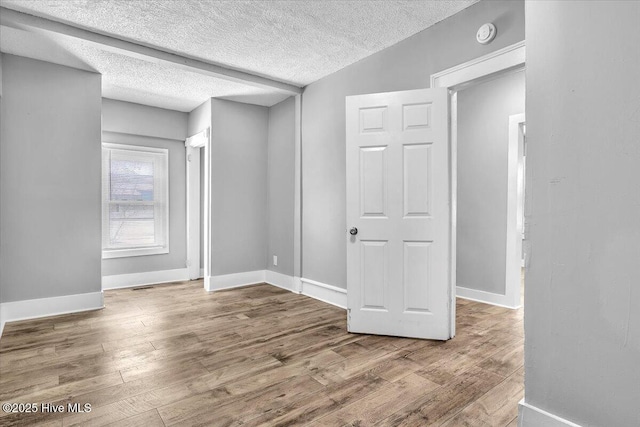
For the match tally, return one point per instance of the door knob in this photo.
(353, 231)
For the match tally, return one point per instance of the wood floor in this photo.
(257, 356)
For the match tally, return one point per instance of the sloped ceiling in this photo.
(290, 41)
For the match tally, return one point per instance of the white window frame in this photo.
(160, 203)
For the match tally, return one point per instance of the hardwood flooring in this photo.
(256, 356)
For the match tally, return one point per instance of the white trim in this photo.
(198, 140)
(297, 284)
(119, 281)
(531, 416)
(512, 56)
(142, 52)
(320, 291)
(131, 252)
(201, 140)
(201, 273)
(132, 147)
(297, 192)
(513, 246)
(44, 307)
(486, 297)
(280, 280)
(325, 293)
(192, 158)
(235, 280)
(453, 200)
(208, 283)
(160, 202)
(207, 213)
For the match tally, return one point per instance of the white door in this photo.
(399, 214)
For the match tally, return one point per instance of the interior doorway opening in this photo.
(198, 205)
(490, 155)
(505, 277)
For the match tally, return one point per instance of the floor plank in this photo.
(257, 356)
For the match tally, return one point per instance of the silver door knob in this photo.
(353, 231)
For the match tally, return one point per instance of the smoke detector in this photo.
(486, 33)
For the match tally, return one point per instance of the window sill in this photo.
(124, 253)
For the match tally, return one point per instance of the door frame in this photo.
(193, 144)
(505, 60)
(515, 205)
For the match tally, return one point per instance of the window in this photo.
(135, 201)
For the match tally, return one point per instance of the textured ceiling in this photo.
(130, 79)
(292, 41)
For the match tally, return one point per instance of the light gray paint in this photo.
(198, 120)
(137, 119)
(49, 181)
(483, 142)
(281, 170)
(1, 75)
(135, 124)
(239, 187)
(406, 65)
(582, 299)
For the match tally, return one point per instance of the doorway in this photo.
(198, 206)
(487, 257)
(489, 214)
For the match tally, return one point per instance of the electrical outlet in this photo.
(275, 260)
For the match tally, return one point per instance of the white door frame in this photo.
(510, 58)
(297, 204)
(515, 203)
(193, 144)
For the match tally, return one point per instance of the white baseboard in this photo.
(280, 280)
(531, 416)
(323, 292)
(320, 291)
(147, 278)
(235, 280)
(485, 297)
(45, 307)
(297, 284)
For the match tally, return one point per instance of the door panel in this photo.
(375, 277)
(399, 199)
(373, 181)
(416, 276)
(417, 182)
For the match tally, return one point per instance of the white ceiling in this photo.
(290, 41)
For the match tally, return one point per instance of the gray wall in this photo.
(135, 124)
(582, 299)
(199, 119)
(280, 190)
(483, 143)
(49, 180)
(143, 120)
(239, 187)
(406, 65)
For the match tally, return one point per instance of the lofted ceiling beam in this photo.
(13, 18)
